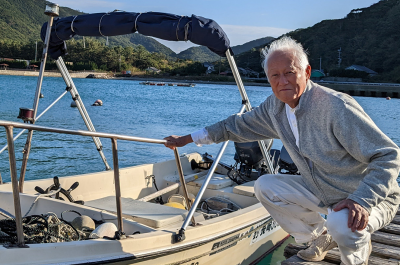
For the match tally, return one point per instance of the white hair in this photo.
(285, 44)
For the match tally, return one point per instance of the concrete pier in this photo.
(381, 90)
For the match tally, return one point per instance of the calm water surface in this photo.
(133, 109)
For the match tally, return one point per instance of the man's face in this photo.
(287, 79)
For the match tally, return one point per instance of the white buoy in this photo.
(98, 102)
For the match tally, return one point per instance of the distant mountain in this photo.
(199, 53)
(21, 20)
(203, 54)
(366, 36)
(251, 44)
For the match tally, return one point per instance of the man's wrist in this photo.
(188, 139)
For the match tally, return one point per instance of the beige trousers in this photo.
(297, 211)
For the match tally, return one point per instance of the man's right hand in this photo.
(177, 141)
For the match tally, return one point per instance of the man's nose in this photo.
(283, 80)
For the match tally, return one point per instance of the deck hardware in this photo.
(180, 236)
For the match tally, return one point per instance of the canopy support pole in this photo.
(81, 107)
(27, 147)
(14, 183)
(181, 235)
(117, 184)
(263, 146)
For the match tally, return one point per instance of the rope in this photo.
(46, 228)
(100, 23)
(41, 195)
(136, 22)
(177, 28)
(72, 24)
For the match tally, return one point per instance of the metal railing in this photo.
(114, 137)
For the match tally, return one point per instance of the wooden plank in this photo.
(396, 220)
(391, 228)
(385, 251)
(386, 238)
(333, 255)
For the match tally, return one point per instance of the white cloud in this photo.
(242, 34)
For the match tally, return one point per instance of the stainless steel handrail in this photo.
(80, 132)
(114, 137)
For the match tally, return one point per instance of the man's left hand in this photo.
(358, 216)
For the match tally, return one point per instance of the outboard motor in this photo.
(250, 159)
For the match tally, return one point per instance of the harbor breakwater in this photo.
(379, 90)
(82, 74)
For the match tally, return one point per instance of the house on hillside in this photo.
(210, 68)
(317, 75)
(152, 70)
(362, 69)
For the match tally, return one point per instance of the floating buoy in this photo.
(73, 104)
(388, 98)
(98, 102)
(41, 95)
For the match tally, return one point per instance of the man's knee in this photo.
(339, 230)
(264, 186)
(268, 188)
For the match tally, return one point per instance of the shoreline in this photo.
(106, 76)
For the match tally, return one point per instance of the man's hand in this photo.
(177, 141)
(358, 216)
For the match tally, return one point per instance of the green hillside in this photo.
(251, 44)
(21, 20)
(200, 54)
(368, 36)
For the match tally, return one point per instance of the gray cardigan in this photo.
(352, 158)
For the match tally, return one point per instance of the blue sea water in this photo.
(133, 109)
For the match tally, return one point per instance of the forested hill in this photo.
(367, 36)
(21, 20)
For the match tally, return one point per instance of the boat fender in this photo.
(106, 229)
(84, 223)
(73, 104)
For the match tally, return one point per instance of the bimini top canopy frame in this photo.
(199, 30)
(165, 26)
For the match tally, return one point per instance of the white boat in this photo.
(209, 217)
(237, 237)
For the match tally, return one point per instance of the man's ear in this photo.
(308, 72)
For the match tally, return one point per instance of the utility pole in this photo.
(340, 58)
(36, 53)
(84, 46)
(320, 68)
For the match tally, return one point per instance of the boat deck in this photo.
(385, 248)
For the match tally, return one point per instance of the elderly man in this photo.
(348, 166)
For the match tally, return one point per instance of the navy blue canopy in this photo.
(199, 30)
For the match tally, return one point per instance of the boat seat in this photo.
(217, 182)
(246, 189)
(147, 213)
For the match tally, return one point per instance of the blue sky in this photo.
(243, 21)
